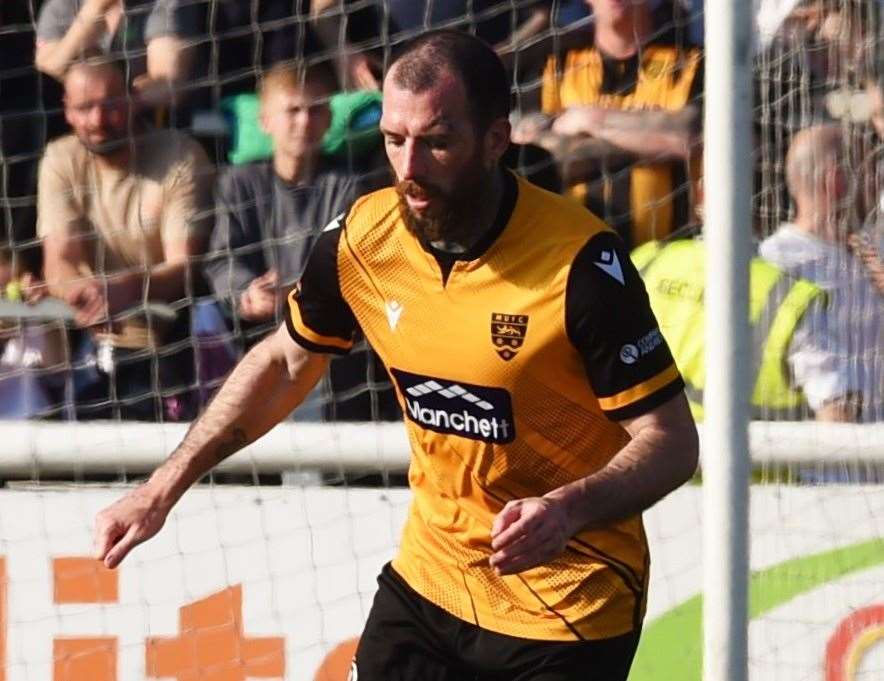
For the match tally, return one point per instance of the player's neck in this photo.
(294, 169)
(481, 224)
(490, 209)
(819, 224)
(623, 39)
(117, 160)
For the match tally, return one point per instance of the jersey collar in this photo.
(508, 199)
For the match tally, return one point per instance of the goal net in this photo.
(267, 568)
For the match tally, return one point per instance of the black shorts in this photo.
(407, 638)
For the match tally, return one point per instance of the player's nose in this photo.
(413, 166)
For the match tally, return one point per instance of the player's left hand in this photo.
(528, 533)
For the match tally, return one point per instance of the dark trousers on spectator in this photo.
(138, 385)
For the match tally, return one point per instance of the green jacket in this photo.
(674, 274)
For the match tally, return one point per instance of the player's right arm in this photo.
(270, 381)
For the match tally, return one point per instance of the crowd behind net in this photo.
(289, 535)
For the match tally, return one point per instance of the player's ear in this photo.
(497, 140)
(264, 111)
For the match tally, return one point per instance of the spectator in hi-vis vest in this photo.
(798, 372)
(815, 245)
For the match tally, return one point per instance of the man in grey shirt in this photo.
(268, 216)
(149, 36)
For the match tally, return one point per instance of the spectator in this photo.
(797, 372)
(149, 35)
(868, 243)
(29, 118)
(621, 115)
(33, 353)
(379, 28)
(119, 211)
(244, 39)
(270, 213)
(501, 25)
(814, 246)
(804, 75)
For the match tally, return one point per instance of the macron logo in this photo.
(394, 311)
(610, 264)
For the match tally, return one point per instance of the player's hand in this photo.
(867, 252)
(580, 120)
(528, 533)
(33, 289)
(88, 298)
(126, 523)
(529, 128)
(260, 300)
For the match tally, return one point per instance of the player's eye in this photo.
(437, 143)
(394, 141)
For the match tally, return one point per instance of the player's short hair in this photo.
(294, 75)
(98, 65)
(472, 61)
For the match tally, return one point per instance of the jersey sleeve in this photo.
(319, 319)
(609, 320)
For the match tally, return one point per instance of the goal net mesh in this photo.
(267, 568)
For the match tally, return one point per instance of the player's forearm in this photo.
(650, 146)
(229, 276)
(60, 273)
(326, 18)
(53, 58)
(262, 390)
(845, 409)
(580, 158)
(167, 282)
(652, 135)
(169, 58)
(651, 466)
(537, 21)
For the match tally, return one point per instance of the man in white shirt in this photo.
(815, 247)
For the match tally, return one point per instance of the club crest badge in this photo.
(508, 333)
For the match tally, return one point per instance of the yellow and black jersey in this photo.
(513, 364)
(643, 201)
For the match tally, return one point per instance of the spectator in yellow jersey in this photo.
(543, 407)
(622, 116)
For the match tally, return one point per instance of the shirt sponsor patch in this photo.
(457, 408)
(631, 352)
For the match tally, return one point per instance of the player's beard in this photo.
(454, 217)
(108, 146)
(116, 138)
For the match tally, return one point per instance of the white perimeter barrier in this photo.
(266, 580)
(38, 449)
